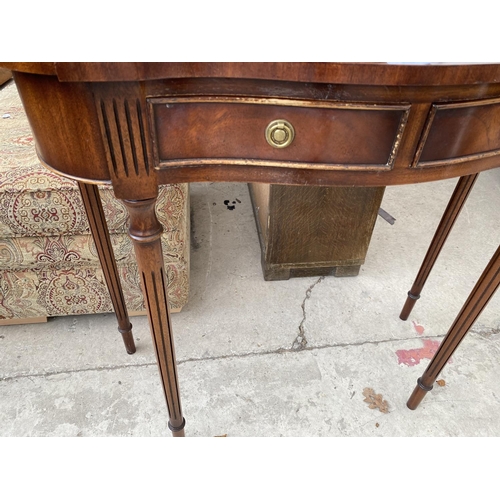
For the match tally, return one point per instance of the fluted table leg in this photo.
(145, 231)
(476, 302)
(99, 230)
(457, 201)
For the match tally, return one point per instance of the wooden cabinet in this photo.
(314, 231)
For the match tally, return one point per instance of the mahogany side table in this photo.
(138, 125)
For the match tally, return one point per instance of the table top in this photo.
(366, 124)
(359, 73)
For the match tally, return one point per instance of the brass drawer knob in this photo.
(280, 133)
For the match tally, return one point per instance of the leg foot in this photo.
(417, 395)
(410, 302)
(177, 431)
(128, 339)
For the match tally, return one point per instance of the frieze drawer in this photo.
(460, 132)
(197, 131)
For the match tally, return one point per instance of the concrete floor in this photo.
(240, 372)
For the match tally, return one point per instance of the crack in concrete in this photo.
(61, 372)
(485, 333)
(281, 350)
(300, 341)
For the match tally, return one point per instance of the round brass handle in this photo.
(280, 133)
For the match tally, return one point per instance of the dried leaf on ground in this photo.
(375, 401)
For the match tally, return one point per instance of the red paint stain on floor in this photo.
(418, 328)
(412, 357)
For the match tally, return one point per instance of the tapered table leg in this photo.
(145, 231)
(99, 230)
(476, 302)
(457, 201)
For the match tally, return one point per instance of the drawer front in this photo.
(233, 131)
(460, 132)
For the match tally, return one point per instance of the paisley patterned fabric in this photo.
(48, 260)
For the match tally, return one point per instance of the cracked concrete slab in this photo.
(286, 358)
(248, 396)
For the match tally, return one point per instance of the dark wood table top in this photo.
(355, 123)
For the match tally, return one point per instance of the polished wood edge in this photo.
(68, 176)
(195, 162)
(467, 104)
(337, 178)
(357, 72)
(39, 68)
(302, 103)
(368, 73)
(459, 159)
